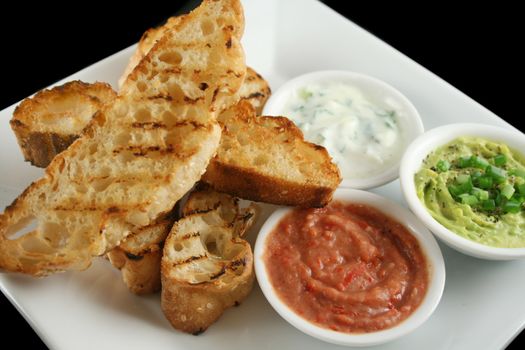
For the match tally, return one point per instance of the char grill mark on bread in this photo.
(67, 109)
(266, 159)
(138, 256)
(207, 266)
(206, 61)
(47, 123)
(254, 89)
(146, 42)
(68, 239)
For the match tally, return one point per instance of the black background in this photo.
(475, 49)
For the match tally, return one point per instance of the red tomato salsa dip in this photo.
(346, 267)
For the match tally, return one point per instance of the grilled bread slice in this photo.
(146, 42)
(209, 49)
(138, 155)
(138, 256)
(254, 89)
(267, 159)
(106, 183)
(47, 123)
(206, 267)
(205, 199)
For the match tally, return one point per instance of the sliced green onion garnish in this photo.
(484, 182)
(480, 194)
(497, 174)
(507, 191)
(442, 166)
(500, 160)
(464, 162)
(517, 172)
(476, 174)
(498, 199)
(478, 162)
(521, 189)
(491, 188)
(455, 190)
(468, 199)
(512, 206)
(463, 178)
(518, 198)
(466, 186)
(488, 204)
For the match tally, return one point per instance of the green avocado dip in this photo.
(476, 188)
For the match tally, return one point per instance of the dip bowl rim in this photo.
(411, 163)
(412, 124)
(427, 242)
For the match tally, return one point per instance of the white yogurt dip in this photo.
(364, 137)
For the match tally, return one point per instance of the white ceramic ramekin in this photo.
(412, 162)
(427, 243)
(409, 120)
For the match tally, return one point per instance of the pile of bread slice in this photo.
(185, 120)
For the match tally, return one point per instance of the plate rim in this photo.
(511, 335)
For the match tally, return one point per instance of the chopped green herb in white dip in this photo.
(362, 137)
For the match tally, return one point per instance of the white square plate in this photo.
(483, 305)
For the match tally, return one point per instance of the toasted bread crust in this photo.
(39, 148)
(150, 77)
(267, 159)
(138, 256)
(146, 42)
(38, 122)
(136, 158)
(192, 308)
(251, 184)
(255, 90)
(140, 273)
(199, 284)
